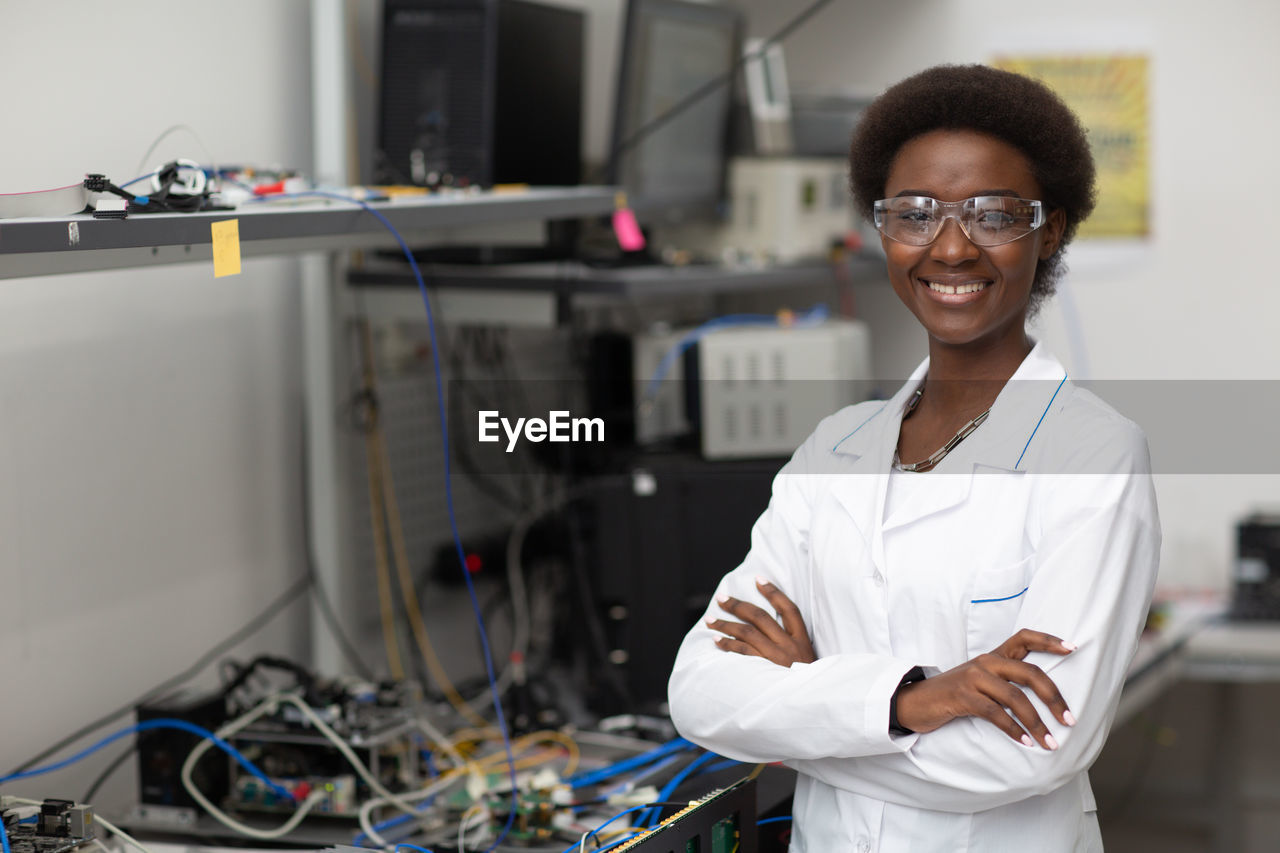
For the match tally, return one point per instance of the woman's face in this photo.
(952, 165)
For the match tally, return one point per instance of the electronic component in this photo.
(782, 210)
(178, 186)
(535, 815)
(760, 390)
(768, 98)
(378, 722)
(1257, 569)
(465, 83)
(59, 826)
(721, 822)
(162, 751)
(110, 208)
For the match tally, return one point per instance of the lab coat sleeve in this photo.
(751, 709)
(1096, 567)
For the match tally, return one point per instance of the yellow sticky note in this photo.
(226, 247)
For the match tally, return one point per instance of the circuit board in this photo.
(61, 825)
(724, 821)
(23, 839)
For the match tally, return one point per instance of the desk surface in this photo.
(1234, 651)
(1161, 657)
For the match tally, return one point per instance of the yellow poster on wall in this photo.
(1109, 94)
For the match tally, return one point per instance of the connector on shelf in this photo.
(110, 208)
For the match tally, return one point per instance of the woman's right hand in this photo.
(986, 687)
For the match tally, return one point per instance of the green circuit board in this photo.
(724, 835)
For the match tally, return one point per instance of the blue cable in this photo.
(723, 765)
(448, 489)
(665, 794)
(4, 836)
(812, 317)
(401, 819)
(413, 847)
(147, 725)
(651, 770)
(592, 833)
(591, 777)
(773, 820)
(391, 823)
(628, 785)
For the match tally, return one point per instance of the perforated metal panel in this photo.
(410, 420)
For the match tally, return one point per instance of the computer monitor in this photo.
(671, 49)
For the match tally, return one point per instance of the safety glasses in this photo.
(987, 220)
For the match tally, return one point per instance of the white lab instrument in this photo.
(761, 389)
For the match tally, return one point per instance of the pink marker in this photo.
(625, 228)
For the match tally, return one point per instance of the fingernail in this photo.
(761, 581)
(1027, 741)
(1071, 647)
(711, 623)
(722, 598)
(1069, 718)
(1050, 742)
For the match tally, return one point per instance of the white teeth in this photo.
(963, 288)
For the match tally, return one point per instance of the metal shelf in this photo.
(540, 294)
(30, 247)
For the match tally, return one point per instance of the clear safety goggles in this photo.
(987, 220)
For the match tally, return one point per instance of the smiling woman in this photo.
(939, 605)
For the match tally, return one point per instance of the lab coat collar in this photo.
(1002, 441)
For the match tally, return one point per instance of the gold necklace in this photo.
(937, 456)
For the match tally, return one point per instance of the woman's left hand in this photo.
(760, 634)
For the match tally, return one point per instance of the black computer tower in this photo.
(657, 544)
(480, 92)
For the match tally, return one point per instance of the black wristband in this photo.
(895, 727)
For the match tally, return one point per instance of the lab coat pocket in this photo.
(995, 598)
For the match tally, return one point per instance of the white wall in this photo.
(1195, 300)
(149, 419)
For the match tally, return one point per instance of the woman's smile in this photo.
(955, 290)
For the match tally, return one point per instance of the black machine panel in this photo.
(724, 821)
(478, 92)
(1257, 591)
(660, 545)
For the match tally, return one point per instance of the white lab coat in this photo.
(1043, 518)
